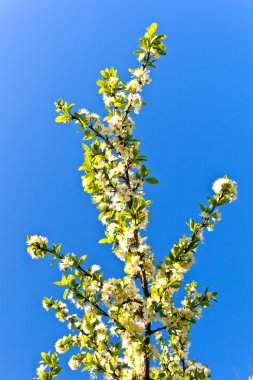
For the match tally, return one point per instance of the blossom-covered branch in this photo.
(115, 325)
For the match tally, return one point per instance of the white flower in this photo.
(95, 268)
(123, 242)
(113, 79)
(206, 371)
(136, 101)
(94, 116)
(205, 215)
(41, 369)
(100, 326)
(230, 191)
(134, 97)
(83, 111)
(38, 240)
(114, 120)
(216, 215)
(142, 75)
(141, 57)
(36, 243)
(66, 263)
(84, 181)
(74, 364)
(217, 185)
(133, 265)
(108, 99)
(138, 73)
(94, 287)
(100, 337)
(154, 52)
(113, 331)
(133, 86)
(47, 303)
(62, 345)
(121, 94)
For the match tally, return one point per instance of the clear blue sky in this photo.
(197, 126)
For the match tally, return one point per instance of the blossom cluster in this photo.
(114, 322)
(36, 246)
(49, 367)
(227, 188)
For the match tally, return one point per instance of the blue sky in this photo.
(197, 126)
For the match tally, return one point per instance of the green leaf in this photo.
(65, 293)
(144, 171)
(61, 119)
(82, 258)
(44, 355)
(63, 281)
(88, 135)
(152, 29)
(57, 371)
(192, 224)
(152, 180)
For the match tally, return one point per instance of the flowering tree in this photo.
(127, 328)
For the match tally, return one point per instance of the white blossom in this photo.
(133, 86)
(95, 268)
(108, 100)
(62, 345)
(41, 369)
(114, 120)
(74, 364)
(66, 263)
(230, 190)
(83, 111)
(38, 240)
(142, 75)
